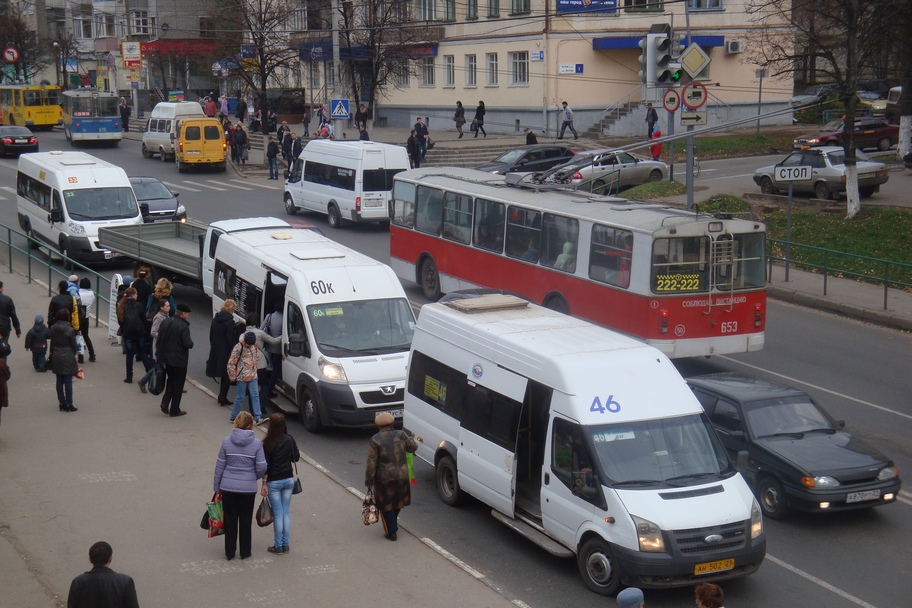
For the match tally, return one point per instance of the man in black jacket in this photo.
(63, 299)
(272, 153)
(8, 318)
(101, 587)
(174, 344)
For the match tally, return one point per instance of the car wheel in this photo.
(309, 410)
(598, 567)
(145, 152)
(64, 254)
(290, 208)
(180, 165)
(766, 186)
(772, 498)
(822, 191)
(655, 176)
(557, 304)
(598, 186)
(162, 156)
(430, 280)
(867, 191)
(448, 482)
(884, 144)
(334, 217)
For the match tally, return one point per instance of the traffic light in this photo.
(675, 72)
(647, 64)
(662, 44)
(659, 49)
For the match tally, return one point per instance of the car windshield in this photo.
(100, 203)
(344, 329)
(868, 95)
(667, 451)
(833, 125)
(149, 190)
(785, 416)
(510, 157)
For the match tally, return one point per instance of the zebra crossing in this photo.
(11, 191)
(219, 185)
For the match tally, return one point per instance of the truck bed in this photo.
(173, 246)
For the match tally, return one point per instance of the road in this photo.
(859, 372)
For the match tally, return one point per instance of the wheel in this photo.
(655, 176)
(772, 498)
(309, 411)
(223, 167)
(33, 241)
(557, 304)
(884, 144)
(290, 208)
(145, 152)
(766, 186)
(822, 191)
(335, 218)
(180, 165)
(65, 254)
(430, 280)
(448, 482)
(598, 186)
(66, 134)
(867, 191)
(162, 156)
(598, 567)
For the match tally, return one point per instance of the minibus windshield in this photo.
(673, 452)
(344, 329)
(91, 204)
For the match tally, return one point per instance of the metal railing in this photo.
(829, 262)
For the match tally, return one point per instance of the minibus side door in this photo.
(570, 489)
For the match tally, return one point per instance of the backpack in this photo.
(134, 323)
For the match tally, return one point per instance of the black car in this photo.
(156, 201)
(799, 457)
(907, 160)
(532, 159)
(17, 140)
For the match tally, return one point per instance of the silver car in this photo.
(607, 171)
(828, 173)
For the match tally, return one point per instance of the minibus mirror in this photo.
(56, 215)
(741, 463)
(298, 346)
(144, 209)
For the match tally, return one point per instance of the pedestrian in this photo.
(330, 128)
(8, 319)
(241, 143)
(5, 351)
(272, 160)
(174, 344)
(567, 121)
(530, 137)
(656, 149)
(280, 135)
(142, 286)
(651, 119)
(73, 286)
(413, 148)
(271, 121)
(306, 122)
(229, 141)
(287, 142)
(709, 595)
(362, 133)
(163, 290)
(223, 335)
(423, 136)
(387, 471)
(242, 367)
(86, 302)
(263, 340)
(124, 115)
(321, 115)
(479, 119)
(241, 109)
(63, 358)
(101, 587)
(209, 107)
(36, 341)
(223, 102)
(297, 146)
(323, 133)
(131, 315)
(240, 463)
(62, 301)
(256, 121)
(631, 597)
(162, 311)
(272, 326)
(361, 116)
(281, 453)
(459, 118)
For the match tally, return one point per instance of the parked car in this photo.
(907, 160)
(529, 159)
(893, 96)
(607, 171)
(873, 102)
(869, 133)
(827, 179)
(815, 93)
(798, 456)
(156, 201)
(17, 140)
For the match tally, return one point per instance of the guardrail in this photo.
(830, 262)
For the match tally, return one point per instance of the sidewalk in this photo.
(118, 470)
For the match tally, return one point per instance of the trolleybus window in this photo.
(680, 264)
(429, 211)
(524, 234)
(489, 225)
(403, 211)
(610, 255)
(560, 237)
(457, 217)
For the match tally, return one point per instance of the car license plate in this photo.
(193, 152)
(370, 203)
(717, 566)
(21, 141)
(863, 496)
(396, 413)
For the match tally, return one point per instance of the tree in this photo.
(33, 58)
(836, 38)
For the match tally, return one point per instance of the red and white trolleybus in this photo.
(689, 284)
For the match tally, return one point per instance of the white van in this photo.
(346, 180)
(64, 197)
(347, 323)
(161, 132)
(585, 441)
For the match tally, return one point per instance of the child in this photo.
(4, 375)
(36, 341)
(73, 286)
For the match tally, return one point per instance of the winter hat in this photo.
(384, 419)
(181, 307)
(39, 319)
(250, 338)
(631, 597)
(73, 278)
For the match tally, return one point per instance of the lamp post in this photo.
(57, 62)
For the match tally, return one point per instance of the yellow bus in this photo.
(30, 105)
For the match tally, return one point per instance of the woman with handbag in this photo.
(162, 312)
(279, 480)
(459, 117)
(63, 358)
(478, 121)
(387, 471)
(236, 480)
(223, 335)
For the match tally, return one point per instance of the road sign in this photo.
(690, 119)
(694, 60)
(671, 100)
(793, 174)
(11, 54)
(694, 95)
(340, 108)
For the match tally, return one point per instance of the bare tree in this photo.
(14, 32)
(901, 28)
(835, 38)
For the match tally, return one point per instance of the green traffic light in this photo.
(676, 76)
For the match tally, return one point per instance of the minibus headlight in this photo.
(333, 372)
(75, 228)
(756, 520)
(649, 535)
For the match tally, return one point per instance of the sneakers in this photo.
(276, 550)
(261, 421)
(179, 413)
(231, 419)
(142, 386)
(285, 549)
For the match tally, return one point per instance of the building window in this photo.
(449, 71)
(427, 10)
(643, 5)
(207, 27)
(450, 7)
(471, 71)
(142, 24)
(491, 68)
(472, 9)
(706, 4)
(519, 7)
(401, 74)
(82, 27)
(493, 8)
(104, 25)
(427, 71)
(519, 68)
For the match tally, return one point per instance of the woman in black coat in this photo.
(479, 119)
(223, 335)
(63, 358)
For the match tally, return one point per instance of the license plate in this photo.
(717, 566)
(369, 203)
(167, 219)
(21, 141)
(110, 255)
(193, 152)
(863, 496)
(396, 413)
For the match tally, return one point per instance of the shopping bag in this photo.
(216, 516)
(369, 513)
(264, 513)
(80, 373)
(157, 380)
(474, 125)
(80, 345)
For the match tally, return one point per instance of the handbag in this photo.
(264, 515)
(296, 488)
(157, 379)
(369, 513)
(74, 316)
(215, 516)
(474, 125)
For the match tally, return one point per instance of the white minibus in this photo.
(346, 180)
(64, 197)
(161, 131)
(585, 441)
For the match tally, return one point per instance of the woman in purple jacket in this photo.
(241, 462)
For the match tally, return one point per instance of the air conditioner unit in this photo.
(734, 46)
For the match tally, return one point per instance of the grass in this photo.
(651, 190)
(739, 144)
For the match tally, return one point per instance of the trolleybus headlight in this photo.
(333, 372)
(649, 535)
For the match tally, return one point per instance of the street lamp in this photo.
(57, 64)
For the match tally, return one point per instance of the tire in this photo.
(655, 176)
(430, 280)
(448, 482)
(772, 498)
(65, 254)
(867, 191)
(884, 144)
(309, 410)
(33, 243)
(162, 156)
(145, 152)
(598, 186)
(598, 567)
(557, 304)
(66, 134)
(766, 186)
(822, 191)
(290, 208)
(333, 216)
(180, 165)
(223, 167)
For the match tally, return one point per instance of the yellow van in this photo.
(200, 143)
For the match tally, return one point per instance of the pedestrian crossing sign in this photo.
(339, 108)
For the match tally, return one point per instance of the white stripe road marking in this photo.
(8, 189)
(256, 185)
(726, 176)
(211, 187)
(212, 181)
(817, 581)
(181, 186)
(904, 497)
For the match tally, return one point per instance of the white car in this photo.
(607, 171)
(827, 178)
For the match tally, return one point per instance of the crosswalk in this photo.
(10, 190)
(219, 185)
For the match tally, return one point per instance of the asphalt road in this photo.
(859, 372)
